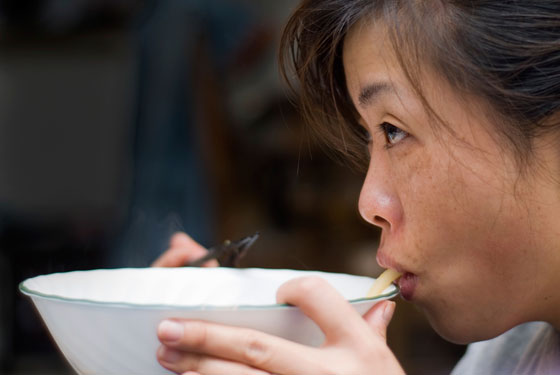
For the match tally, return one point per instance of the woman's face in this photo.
(471, 234)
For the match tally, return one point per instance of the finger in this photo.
(252, 348)
(193, 363)
(183, 249)
(182, 241)
(179, 257)
(325, 306)
(379, 317)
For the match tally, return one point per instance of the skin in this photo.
(182, 250)
(455, 211)
(354, 344)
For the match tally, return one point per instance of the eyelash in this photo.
(388, 131)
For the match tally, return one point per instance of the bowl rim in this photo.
(84, 301)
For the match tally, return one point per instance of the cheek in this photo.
(427, 196)
(462, 230)
(468, 238)
(452, 211)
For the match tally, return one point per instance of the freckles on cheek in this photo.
(434, 216)
(504, 253)
(424, 204)
(423, 191)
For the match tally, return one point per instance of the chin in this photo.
(457, 336)
(461, 329)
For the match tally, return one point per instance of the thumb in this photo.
(379, 317)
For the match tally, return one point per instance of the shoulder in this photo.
(525, 349)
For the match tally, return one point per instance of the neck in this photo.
(548, 298)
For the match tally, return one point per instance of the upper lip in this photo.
(386, 261)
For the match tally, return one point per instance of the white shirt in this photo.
(528, 349)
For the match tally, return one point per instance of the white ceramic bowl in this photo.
(105, 321)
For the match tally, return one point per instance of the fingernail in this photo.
(388, 311)
(170, 331)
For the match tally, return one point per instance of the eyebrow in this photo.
(372, 91)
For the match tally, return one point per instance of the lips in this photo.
(407, 282)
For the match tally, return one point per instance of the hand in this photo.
(182, 249)
(353, 344)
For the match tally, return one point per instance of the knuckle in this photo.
(310, 284)
(192, 362)
(295, 289)
(256, 352)
(178, 239)
(196, 335)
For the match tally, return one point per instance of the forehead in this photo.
(371, 67)
(370, 61)
(367, 53)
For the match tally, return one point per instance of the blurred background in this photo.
(124, 121)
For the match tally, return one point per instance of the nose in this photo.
(379, 202)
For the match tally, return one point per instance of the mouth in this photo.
(407, 282)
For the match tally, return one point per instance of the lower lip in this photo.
(407, 285)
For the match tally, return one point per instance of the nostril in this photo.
(381, 222)
(379, 219)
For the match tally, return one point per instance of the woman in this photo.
(456, 104)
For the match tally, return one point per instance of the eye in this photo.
(393, 135)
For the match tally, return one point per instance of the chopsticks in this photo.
(228, 254)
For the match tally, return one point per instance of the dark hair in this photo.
(505, 52)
